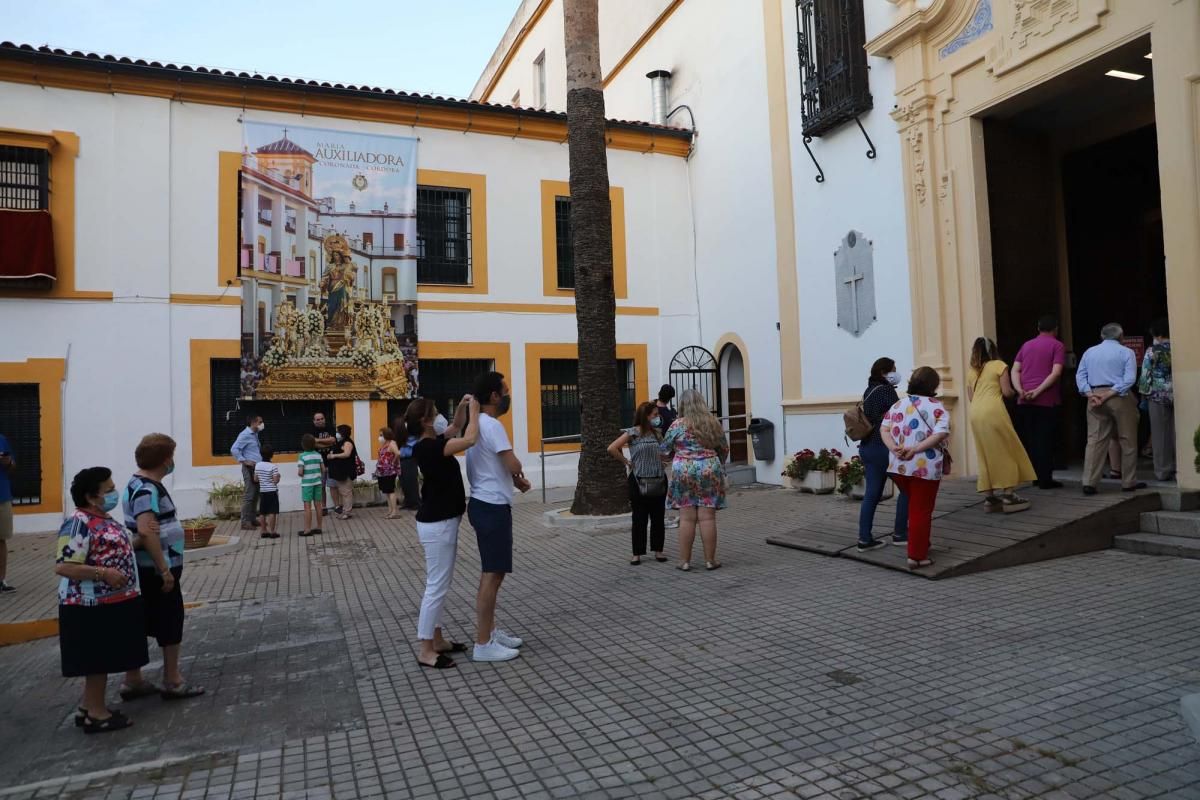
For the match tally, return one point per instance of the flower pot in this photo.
(860, 490)
(197, 537)
(815, 482)
(366, 495)
(226, 507)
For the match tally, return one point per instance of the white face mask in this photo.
(380, 439)
(893, 378)
(440, 425)
(262, 426)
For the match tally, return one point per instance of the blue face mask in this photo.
(111, 499)
(656, 422)
(170, 467)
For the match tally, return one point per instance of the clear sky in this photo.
(433, 46)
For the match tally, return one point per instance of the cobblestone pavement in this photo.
(783, 674)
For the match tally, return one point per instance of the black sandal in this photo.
(661, 559)
(183, 691)
(442, 662)
(144, 689)
(80, 716)
(455, 647)
(115, 722)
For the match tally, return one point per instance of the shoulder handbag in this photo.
(855, 421)
(359, 466)
(947, 459)
(655, 486)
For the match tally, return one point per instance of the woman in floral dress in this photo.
(698, 449)
(915, 431)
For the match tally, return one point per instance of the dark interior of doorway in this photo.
(1075, 215)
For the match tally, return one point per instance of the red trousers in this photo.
(922, 496)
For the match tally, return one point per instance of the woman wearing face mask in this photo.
(100, 615)
(647, 479)
(151, 517)
(386, 468)
(342, 461)
(878, 397)
(443, 502)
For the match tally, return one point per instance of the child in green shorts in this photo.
(312, 478)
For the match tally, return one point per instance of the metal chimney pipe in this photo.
(660, 90)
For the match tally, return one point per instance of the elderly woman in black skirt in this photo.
(101, 622)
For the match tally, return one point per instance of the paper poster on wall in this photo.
(328, 264)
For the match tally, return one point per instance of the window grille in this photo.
(20, 422)
(445, 380)
(443, 236)
(563, 250)
(287, 420)
(24, 178)
(833, 63)
(561, 401)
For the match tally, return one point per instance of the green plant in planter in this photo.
(199, 523)
(225, 497)
(365, 484)
(850, 474)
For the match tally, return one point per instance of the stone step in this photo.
(1180, 500)
(1158, 544)
(741, 474)
(1172, 523)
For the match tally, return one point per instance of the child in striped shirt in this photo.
(266, 475)
(312, 479)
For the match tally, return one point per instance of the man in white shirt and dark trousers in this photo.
(1106, 375)
(493, 472)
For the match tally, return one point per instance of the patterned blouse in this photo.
(644, 453)
(1156, 374)
(912, 420)
(683, 444)
(96, 541)
(387, 465)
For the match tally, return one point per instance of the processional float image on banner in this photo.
(328, 264)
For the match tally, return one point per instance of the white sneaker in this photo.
(494, 651)
(507, 639)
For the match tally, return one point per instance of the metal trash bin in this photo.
(762, 434)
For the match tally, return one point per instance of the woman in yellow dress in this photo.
(1003, 463)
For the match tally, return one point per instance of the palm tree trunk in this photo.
(601, 485)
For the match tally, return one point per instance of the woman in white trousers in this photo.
(443, 503)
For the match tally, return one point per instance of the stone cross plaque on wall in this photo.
(854, 271)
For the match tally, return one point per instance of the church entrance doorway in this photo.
(1075, 214)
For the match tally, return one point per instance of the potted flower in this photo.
(197, 532)
(851, 477)
(366, 493)
(225, 498)
(813, 472)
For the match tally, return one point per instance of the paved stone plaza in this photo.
(784, 674)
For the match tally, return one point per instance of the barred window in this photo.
(561, 401)
(833, 63)
(287, 420)
(21, 424)
(24, 178)
(563, 251)
(445, 381)
(443, 236)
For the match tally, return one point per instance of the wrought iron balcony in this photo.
(833, 63)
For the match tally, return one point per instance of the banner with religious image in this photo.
(328, 264)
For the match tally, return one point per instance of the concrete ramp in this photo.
(966, 539)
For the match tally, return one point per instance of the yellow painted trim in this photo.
(500, 353)
(64, 149)
(48, 374)
(229, 166)
(32, 630)
(616, 196)
(477, 185)
(205, 300)
(390, 109)
(201, 352)
(343, 413)
(736, 341)
(785, 217)
(514, 48)
(378, 420)
(641, 42)
(528, 308)
(535, 353)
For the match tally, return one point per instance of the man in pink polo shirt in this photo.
(1035, 374)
